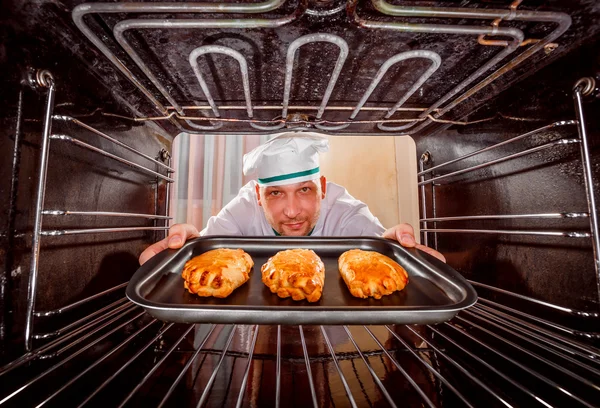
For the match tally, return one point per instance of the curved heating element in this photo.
(82, 10)
(219, 49)
(563, 20)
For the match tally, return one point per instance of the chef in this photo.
(290, 198)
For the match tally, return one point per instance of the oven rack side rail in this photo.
(592, 213)
(47, 82)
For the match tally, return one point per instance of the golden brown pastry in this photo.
(298, 273)
(369, 273)
(218, 272)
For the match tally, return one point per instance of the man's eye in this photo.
(274, 193)
(305, 189)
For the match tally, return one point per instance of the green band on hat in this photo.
(289, 176)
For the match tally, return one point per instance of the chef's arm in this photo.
(178, 234)
(405, 235)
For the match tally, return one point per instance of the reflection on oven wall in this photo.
(209, 174)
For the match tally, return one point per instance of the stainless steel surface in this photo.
(106, 214)
(113, 140)
(39, 206)
(88, 146)
(536, 149)
(435, 292)
(56, 233)
(589, 181)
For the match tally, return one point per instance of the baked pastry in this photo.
(217, 272)
(369, 273)
(298, 273)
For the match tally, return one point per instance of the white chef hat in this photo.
(288, 158)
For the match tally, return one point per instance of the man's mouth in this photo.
(294, 226)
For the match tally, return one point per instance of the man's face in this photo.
(292, 210)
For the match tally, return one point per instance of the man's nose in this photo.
(292, 208)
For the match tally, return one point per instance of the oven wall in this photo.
(77, 266)
(558, 270)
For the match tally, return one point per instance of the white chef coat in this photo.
(341, 215)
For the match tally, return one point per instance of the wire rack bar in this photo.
(522, 324)
(373, 374)
(482, 362)
(404, 373)
(81, 302)
(495, 146)
(523, 367)
(426, 364)
(158, 364)
(508, 217)
(37, 223)
(574, 312)
(565, 234)
(106, 214)
(113, 140)
(57, 233)
(278, 369)
(311, 383)
(588, 181)
(123, 311)
(339, 370)
(560, 142)
(556, 326)
(186, 367)
(39, 353)
(95, 149)
(211, 380)
(107, 355)
(76, 323)
(494, 321)
(70, 357)
(240, 399)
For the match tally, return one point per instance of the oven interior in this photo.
(498, 97)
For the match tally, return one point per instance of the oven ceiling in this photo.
(371, 38)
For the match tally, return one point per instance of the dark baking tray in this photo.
(435, 292)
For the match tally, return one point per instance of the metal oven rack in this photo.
(491, 354)
(45, 80)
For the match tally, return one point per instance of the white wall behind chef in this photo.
(378, 170)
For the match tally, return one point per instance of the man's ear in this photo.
(258, 194)
(323, 186)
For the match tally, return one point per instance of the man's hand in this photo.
(178, 234)
(405, 235)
